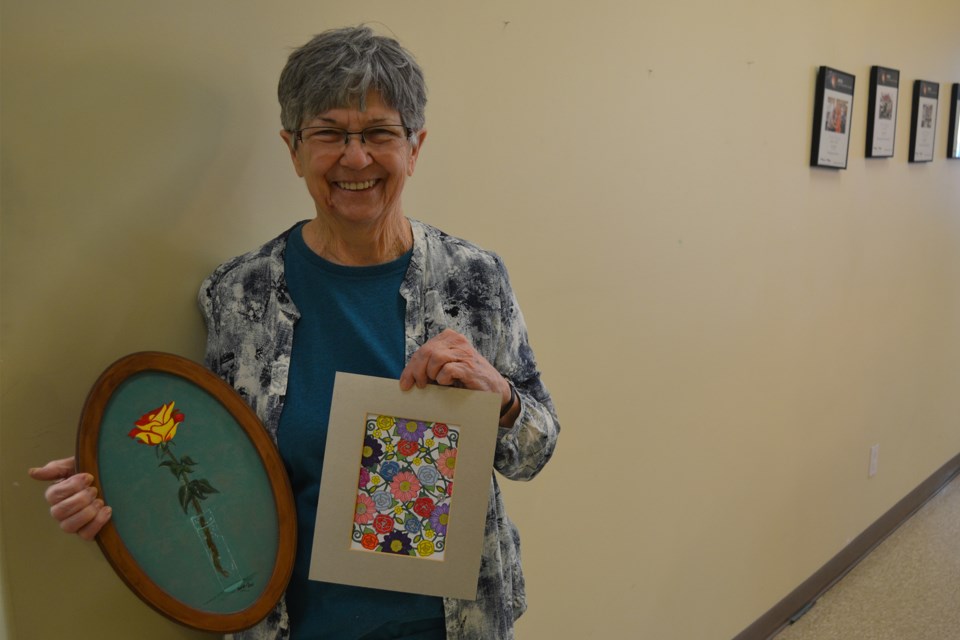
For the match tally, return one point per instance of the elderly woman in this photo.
(364, 289)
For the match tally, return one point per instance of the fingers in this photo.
(454, 374)
(426, 363)
(65, 507)
(72, 498)
(80, 512)
(55, 469)
(450, 360)
(64, 489)
(86, 519)
(90, 530)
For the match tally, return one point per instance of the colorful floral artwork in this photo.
(157, 428)
(405, 487)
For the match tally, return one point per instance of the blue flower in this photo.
(411, 524)
(389, 469)
(382, 500)
(428, 476)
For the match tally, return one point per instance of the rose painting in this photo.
(157, 428)
(405, 487)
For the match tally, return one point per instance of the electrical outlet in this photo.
(874, 459)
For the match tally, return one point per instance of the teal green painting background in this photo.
(144, 496)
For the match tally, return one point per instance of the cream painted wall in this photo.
(725, 330)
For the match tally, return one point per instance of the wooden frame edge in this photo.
(117, 555)
(804, 596)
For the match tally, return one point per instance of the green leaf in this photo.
(442, 447)
(187, 460)
(184, 497)
(205, 486)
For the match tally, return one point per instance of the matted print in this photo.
(405, 486)
(203, 526)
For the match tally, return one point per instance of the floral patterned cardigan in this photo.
(450, 283)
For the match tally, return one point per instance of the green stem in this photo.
(211, 545)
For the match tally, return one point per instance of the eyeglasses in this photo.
(334, 139)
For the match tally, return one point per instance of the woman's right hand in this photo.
(73, 501)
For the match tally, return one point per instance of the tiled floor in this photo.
(907, 589)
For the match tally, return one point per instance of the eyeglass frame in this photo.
(298, 133)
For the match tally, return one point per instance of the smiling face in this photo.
(356, 185)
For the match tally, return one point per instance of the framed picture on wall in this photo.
(832, 112)
(882, 112)
(953, 146)
(923, 122)
(204, 525)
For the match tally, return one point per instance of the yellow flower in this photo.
(417, 462)
(385, 422)
(398, 510)
(389, 447)
(157, 426)
(377, 434)
(428, 533)
(375, 480)
(425, 548)
(429, 442)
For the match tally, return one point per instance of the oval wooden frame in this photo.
(111, 543)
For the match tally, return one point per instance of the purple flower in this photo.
(372, 452)
(396, 542)
(411, 430)
(439, 519)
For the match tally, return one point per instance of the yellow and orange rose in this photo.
(157, 426)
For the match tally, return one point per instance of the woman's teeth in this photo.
(356, 186)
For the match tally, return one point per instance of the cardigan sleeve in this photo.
(523, 450)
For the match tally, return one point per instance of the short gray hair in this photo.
(338, 67)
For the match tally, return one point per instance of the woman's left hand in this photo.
(449, 359)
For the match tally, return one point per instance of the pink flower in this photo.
(447, 462)
(365, 510)
(405, 486)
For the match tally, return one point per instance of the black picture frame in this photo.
(832, 118)
(953, 143)
(216, 565)
(923, 120)
(882, 112)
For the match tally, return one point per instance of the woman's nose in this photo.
(354, 155)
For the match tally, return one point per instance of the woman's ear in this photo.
(415, 151)
(290, 139)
